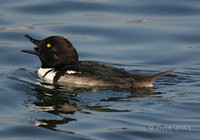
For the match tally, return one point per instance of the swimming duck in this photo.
(60, 65)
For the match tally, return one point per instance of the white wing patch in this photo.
(70, 72)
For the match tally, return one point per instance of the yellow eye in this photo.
(48, 45)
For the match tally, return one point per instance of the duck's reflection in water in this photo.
(64, 102)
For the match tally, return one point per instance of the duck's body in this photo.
(92, 74)
(60, 65)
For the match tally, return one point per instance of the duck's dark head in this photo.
(54, 51)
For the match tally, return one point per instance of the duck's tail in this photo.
(157, 75)
(148, 80)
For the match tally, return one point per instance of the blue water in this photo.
(140, 36)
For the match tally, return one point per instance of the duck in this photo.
(60, 65)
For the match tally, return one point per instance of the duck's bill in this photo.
(30, 52)
(36, 49)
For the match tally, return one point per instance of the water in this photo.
(141, 36)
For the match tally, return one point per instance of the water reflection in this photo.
(64, 103)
